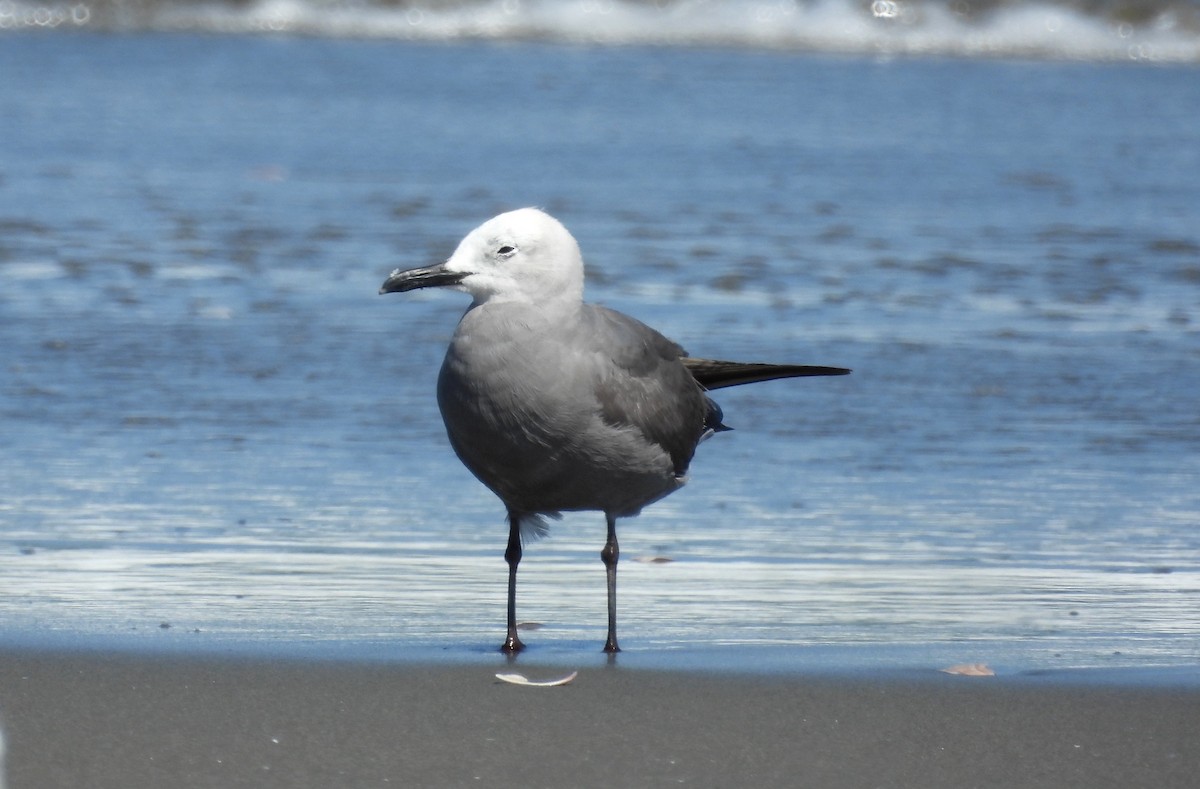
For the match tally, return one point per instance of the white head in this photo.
(521, 256)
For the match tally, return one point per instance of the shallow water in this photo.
(216, 435)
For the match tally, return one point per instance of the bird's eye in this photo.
(506, 251)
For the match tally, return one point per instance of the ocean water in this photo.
(215, 435)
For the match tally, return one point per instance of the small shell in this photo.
(521, 679)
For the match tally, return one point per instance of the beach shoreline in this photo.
(123, 719)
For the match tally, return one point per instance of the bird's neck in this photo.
(548, 312)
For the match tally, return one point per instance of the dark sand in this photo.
(125, 721)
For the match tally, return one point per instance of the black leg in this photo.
(512, 555)
(609, 556)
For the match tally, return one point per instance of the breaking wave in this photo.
(1152, 30)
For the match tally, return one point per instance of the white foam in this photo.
(890, 28)
(885, 27)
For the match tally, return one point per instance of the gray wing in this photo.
(645, 385)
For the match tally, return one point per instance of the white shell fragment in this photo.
(521, 679)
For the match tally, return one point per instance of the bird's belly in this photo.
(546, 454)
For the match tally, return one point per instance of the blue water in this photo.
(215, 435)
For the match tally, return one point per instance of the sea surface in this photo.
(215, 435)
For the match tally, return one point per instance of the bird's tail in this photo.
(713, 374)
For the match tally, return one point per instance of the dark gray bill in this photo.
(429, 277)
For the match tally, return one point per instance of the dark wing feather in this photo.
(645, 386)
(713, 374)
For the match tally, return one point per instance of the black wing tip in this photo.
(714, 374)
(811, 370)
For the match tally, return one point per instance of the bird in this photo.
(559, 405)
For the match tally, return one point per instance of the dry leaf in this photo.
(521, 679)
(969, 670)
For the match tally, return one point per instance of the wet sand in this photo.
(132, 721)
